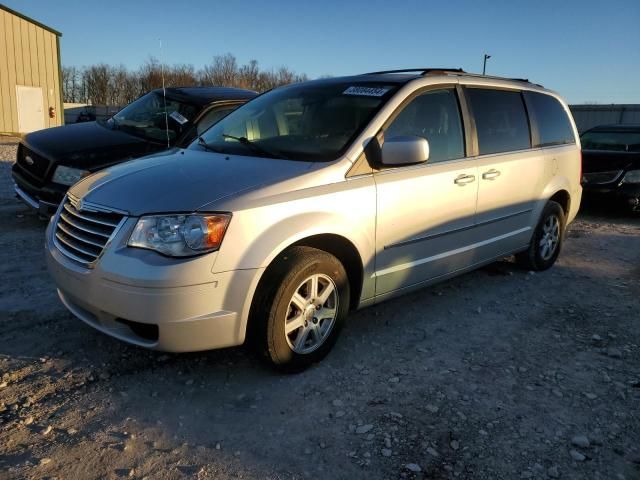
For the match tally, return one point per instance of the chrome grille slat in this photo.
(82, 235)
(76, 224)
(77, 236)
(68, 243)
(69, 208)
(71, 255)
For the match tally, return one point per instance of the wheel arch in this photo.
(563, 198)
(337, 245)
(346, 252)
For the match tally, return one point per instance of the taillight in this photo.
(580, 177)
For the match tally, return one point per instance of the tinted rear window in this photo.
(553, 124)
(501, 120)
(611, 141)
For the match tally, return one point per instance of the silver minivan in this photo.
(315, 199)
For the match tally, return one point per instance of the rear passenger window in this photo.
(213, 116)
(551, 119)
(435, 116)
(501, 120)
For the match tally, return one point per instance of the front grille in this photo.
(36, 165)
(597, 178)
(82, 231)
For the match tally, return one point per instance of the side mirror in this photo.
(405, 150)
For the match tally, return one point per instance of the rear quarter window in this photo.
(554, 127)
(501, 120)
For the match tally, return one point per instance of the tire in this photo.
(275, 308)
(538, 257)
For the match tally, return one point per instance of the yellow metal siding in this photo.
(12, 116)
(29, 57)
(5, 100)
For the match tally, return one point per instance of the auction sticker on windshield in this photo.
(178, 118)
(366, 91)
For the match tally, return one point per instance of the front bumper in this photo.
(175, 305)
(44, 207)
(45, 198)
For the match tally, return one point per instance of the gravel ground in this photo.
(498, 374)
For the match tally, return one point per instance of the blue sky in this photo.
(588, 50)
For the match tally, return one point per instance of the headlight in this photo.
(632, 176)
(180, 235)
(68, 176)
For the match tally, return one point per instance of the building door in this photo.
(30, 108)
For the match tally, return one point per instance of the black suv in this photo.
(50, 161)
(611, 162)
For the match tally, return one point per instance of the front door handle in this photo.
(491, 174)
(463, 179)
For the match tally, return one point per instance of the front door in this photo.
(426, 212)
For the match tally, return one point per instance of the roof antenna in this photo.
(164, 96)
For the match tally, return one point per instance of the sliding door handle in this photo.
(491, 174)
(463, 179)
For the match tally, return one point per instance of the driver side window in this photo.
(435, 116)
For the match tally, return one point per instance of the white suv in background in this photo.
(315, 199)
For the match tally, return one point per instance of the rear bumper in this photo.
(627, 193)
(208, 313)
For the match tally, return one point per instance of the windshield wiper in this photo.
(255, 146)
(203, 142)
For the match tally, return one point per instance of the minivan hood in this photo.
(86, 145)
(181, 180)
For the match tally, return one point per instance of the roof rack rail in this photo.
(450, 71)
(423, 71)
(495, 77)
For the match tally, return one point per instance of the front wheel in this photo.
(300, 308)
(546, 241)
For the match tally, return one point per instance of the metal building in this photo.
(588, 116)
(30, 74)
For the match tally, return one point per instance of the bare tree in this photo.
(71, 84)
(181, 76)
(102, 84)
(248, 75)
(222, 72)
(150, 74)
(97, 78)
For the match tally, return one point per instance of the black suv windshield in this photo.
(145, 117)
(309, 121)
(611, 141)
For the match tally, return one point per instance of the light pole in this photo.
(484, 64)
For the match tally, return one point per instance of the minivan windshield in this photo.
(611, 141)
(308, 121)
(145, 117)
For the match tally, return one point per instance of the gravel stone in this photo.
(614, 352)
(553, 472)
(413, 467)
(362, 429)
(577, 456)
(580, 441)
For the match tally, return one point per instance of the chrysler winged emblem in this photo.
(28, 160)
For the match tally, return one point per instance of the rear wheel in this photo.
(299, 308)
(546, 241)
